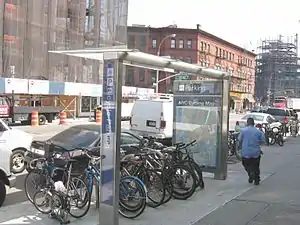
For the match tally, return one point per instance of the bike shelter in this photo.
(208, 96)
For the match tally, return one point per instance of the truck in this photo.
(11, 112)
(293, 103)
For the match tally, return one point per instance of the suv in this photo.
(6, 177)
(283, 115)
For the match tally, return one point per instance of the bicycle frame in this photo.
(93, 172)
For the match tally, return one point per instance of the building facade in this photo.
(277, 71)
(198, 47)
(30, 28)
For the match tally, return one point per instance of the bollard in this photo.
(62, 118)
(34, 118)
(98, 116)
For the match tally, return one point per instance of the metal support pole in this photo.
(119, 76)
(110, 142)
(157, 72)
(221, 174)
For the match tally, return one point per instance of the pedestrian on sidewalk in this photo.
(250, 140)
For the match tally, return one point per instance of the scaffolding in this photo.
(31, 28)
(277, 65)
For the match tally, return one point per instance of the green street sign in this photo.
(183, 77)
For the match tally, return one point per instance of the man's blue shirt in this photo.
(251, 138)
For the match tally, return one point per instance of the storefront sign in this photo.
(235, 94)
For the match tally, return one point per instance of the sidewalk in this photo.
(275, 201)
(216, 195)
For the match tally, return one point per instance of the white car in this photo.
(17, 142)
(260, 118)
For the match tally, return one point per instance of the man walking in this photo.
(250, 140)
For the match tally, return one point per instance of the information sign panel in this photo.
(197, 116)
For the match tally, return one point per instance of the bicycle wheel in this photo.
(34, 182)
(43, 198)
(280, 140)
(155, 187)
(79, 198)
(198, 173)
(132, 202)
(179, 177)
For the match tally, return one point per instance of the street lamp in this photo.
(158, 54)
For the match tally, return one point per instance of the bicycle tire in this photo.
(86, 201)
(280, 141)
(40, 184)
(199, 174)
(155, 203)
(142, 205)
(188, 194)
(38, 206)
(169, 190)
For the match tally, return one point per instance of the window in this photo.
(129, 78)
(217, 51)
(153, 76)
(153, 43)
(202, 46)
(131, 41)
(173, 43)
(205, 47)
(229, 55)
(226, 55)
(128, 139)
(254, 116)
(232, 57)
(208, 48)
(143, 41)
(189, 43)
(223, 54)
(142, 74)
(181, 43)
(77, 137)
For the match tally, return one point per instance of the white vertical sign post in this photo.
(110, 144)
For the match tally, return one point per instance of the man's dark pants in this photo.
(252, 166)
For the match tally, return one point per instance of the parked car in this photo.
(260, 118)
(17, 143)
(6, 177)
(86, 136)
(283, 115)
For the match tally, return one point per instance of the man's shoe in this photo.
(250, 180)
(256, 182)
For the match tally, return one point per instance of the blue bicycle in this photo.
(132, 195)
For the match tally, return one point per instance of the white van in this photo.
(153, 118)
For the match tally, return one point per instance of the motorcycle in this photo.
(273, 134)
(276, 136)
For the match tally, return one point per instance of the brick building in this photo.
(193, 46)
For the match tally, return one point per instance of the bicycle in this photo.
(130, 186)
(61, 201)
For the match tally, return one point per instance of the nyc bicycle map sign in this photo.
(197, 116)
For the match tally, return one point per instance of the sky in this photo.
(244, 23)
